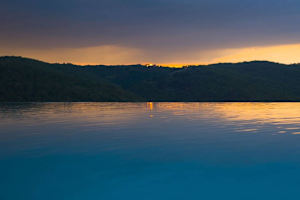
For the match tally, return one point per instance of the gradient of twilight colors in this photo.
(170, 32)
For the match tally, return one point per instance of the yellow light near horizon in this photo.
(118, 55)
(286, 54)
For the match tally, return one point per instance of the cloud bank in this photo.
(143, 31)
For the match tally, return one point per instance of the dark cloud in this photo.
(155, 26)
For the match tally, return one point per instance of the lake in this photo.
(155, 151)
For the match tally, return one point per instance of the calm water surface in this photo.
(113, 151)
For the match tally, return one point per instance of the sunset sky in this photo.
(174, 32)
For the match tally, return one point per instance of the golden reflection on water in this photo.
(150, 108)
(285, 117)
(150, 105)
(261, 112)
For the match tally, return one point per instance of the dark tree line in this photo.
(24, 79)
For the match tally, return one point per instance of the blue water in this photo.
(141, 151)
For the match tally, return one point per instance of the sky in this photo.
(168, 32)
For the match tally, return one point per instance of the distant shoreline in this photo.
(29, 80)
(16, 102)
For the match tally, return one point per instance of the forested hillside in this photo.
(30, 80)
(24, 79)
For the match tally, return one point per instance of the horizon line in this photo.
(171, 65)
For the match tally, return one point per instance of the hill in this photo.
(25, 79)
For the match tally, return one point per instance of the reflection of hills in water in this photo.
(246, 117)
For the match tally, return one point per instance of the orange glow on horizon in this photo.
(117, 55)
(285, 54)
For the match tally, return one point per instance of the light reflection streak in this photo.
(285, 117)
(245, 117)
